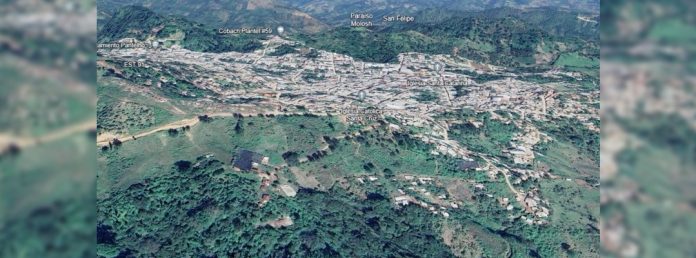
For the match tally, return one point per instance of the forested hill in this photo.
(142, 24)
(506, 41)
(555, 21)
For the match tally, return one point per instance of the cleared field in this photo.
(574, 60)
(31, 106)
(270, 136)
(124, 110)
(673, 31)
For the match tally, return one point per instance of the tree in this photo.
(238, 127)
(291, 157)
(204, 118)
(12, 150)
(183, 165)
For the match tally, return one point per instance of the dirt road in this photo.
(26, 142)
(105, 138)
(512, 188)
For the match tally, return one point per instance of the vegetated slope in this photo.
(227, 13)
(373, 46)
(141, 23)
(558, 22)
(205, 210)
(199, 206)
(555, 21)
(507, 41)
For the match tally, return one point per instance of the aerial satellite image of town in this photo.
(346, 128)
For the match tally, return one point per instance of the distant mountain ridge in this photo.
(312, 16)
(335, 11)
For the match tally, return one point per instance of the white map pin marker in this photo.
(280, 29)
(438, 67)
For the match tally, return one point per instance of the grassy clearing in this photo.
(641, 166)
(575, 208)
(565, 160)
(122, 111)
(35, 106)
(269, 136)
(575, 60)
(672, 30)
(376, 152)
